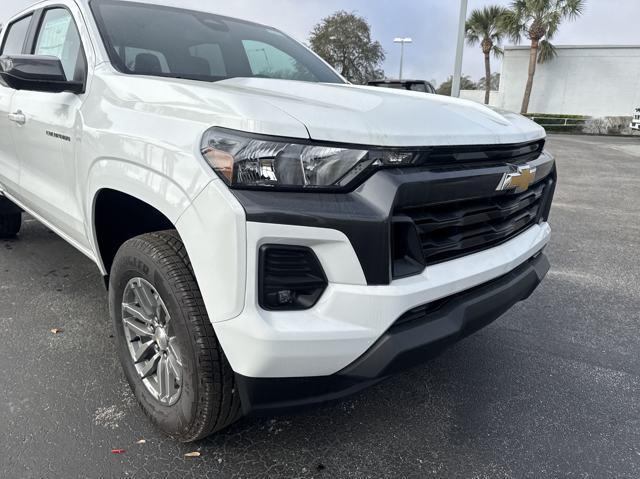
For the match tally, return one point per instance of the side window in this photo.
(268, 61)
(16, 36)
(59, 37)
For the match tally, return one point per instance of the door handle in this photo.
(18, 117)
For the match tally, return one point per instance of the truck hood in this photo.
(385, 117)
(328, 112)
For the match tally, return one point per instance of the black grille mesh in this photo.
(454, 229)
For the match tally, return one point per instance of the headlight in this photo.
(246, 161)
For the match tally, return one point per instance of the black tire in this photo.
(208, 401)
(10, 224)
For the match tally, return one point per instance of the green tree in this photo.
(494, 83)
(538, 20)
(344, 41)
(485, 27)
(466, 83)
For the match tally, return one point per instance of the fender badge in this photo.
(520, 178)
(58, 136)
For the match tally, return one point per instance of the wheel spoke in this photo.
(164, 379)
(151, 366)
(174, 352)
(143, 350)
(174, 365)
(162, 315)
(144, 297)
(137, 328)
(136, 312)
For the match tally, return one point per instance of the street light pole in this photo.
(402, 41)
(457, 73)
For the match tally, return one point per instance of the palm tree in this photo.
(484, 26)
(494, 82)
(538, 20)
(466, 83)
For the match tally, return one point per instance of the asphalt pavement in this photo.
(551, 389)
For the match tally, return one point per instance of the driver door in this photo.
(15, 38)
(46, 142)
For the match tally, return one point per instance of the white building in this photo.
(591, 80)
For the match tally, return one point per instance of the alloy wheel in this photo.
(152, 346)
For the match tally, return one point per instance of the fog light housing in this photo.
(406, 248)
(290, 278)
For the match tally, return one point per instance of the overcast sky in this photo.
(431, 23)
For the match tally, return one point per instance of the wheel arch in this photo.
(125, 200)
(118, 217)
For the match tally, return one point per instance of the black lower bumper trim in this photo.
(404, 345)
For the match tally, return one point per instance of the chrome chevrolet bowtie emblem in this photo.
(519, 178)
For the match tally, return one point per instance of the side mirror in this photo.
(36, 73)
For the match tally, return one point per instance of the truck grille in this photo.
(454, 229)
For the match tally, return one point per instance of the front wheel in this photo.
(167, 346)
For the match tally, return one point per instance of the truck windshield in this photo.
(146, 39)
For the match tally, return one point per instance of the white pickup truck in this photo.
(271, 236)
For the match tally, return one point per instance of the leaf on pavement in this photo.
(57, 330)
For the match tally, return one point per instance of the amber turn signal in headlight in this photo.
(247, 161)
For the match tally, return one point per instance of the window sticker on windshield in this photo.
(53, 36)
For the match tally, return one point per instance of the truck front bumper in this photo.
(357, 332)
(414, 338)
(351, 316)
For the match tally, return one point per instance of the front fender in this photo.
(212, 227)
(214, 231)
